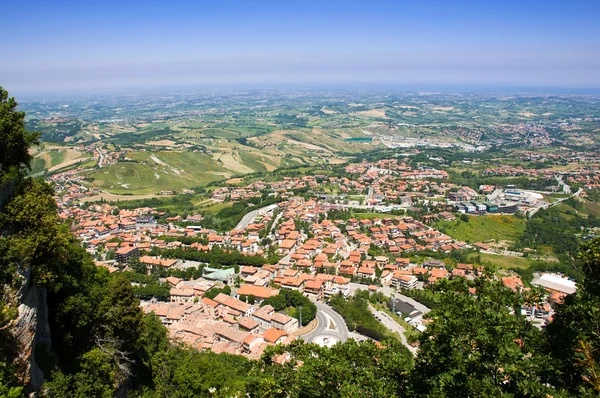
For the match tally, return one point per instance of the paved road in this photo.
(249, 218)
(394, 326)
(325, 317)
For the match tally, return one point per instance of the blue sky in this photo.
(85, 45)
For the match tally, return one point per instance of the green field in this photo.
(55, 157)
(483, 228)
(504, 261)
(224, 133)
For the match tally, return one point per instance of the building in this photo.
(226, 275)
(491, 207)
(314, 289)
(182, 295)
(124, 254)
(406, 309)
(555, 283)
(400, 280)
(260, 293)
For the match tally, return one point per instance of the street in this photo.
(249, 218)
(394, 326)
(330, 329)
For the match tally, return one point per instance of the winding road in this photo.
(330, 326)
(249, 218)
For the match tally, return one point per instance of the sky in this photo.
(59, 46)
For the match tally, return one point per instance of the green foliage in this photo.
(216, 256)
(36, 238)
(96, 378)
(227, 218)
(427, 297)
(356, 314)
(557, 230)
(120, 314)
(14, 138)
(214, 292)
(475, 346)
(182, 372)
(345, 370)
(483, 228)
(292, 299)
(574, 335)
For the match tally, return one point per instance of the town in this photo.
(364, 230)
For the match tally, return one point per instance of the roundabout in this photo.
(330, 329)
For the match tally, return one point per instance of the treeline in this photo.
(128, 139)
(215, 257)
(426, 297)
(358, 317)
(474, 180)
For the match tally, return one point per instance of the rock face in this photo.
(30, 328)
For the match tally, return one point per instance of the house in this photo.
(237, 306)
(314, 289)
(293, 284)
(260, 293)
(248, 325)
(274, 336)
(184, 295)
(263, 316)
(284, 323)
(286, 246)
(151, 262)
(364, 272)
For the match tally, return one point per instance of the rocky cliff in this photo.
(30, 329)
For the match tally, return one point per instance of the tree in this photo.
(96, 378)
(120, 314)
(14, 138)
(38, 240)
(137, 266)
(478, 344)
(574, 334)
(350, 369)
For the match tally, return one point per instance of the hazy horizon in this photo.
(64, 46)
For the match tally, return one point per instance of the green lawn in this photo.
(483, 228)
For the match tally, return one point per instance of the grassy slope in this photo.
(480, 229)
(184, 170)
